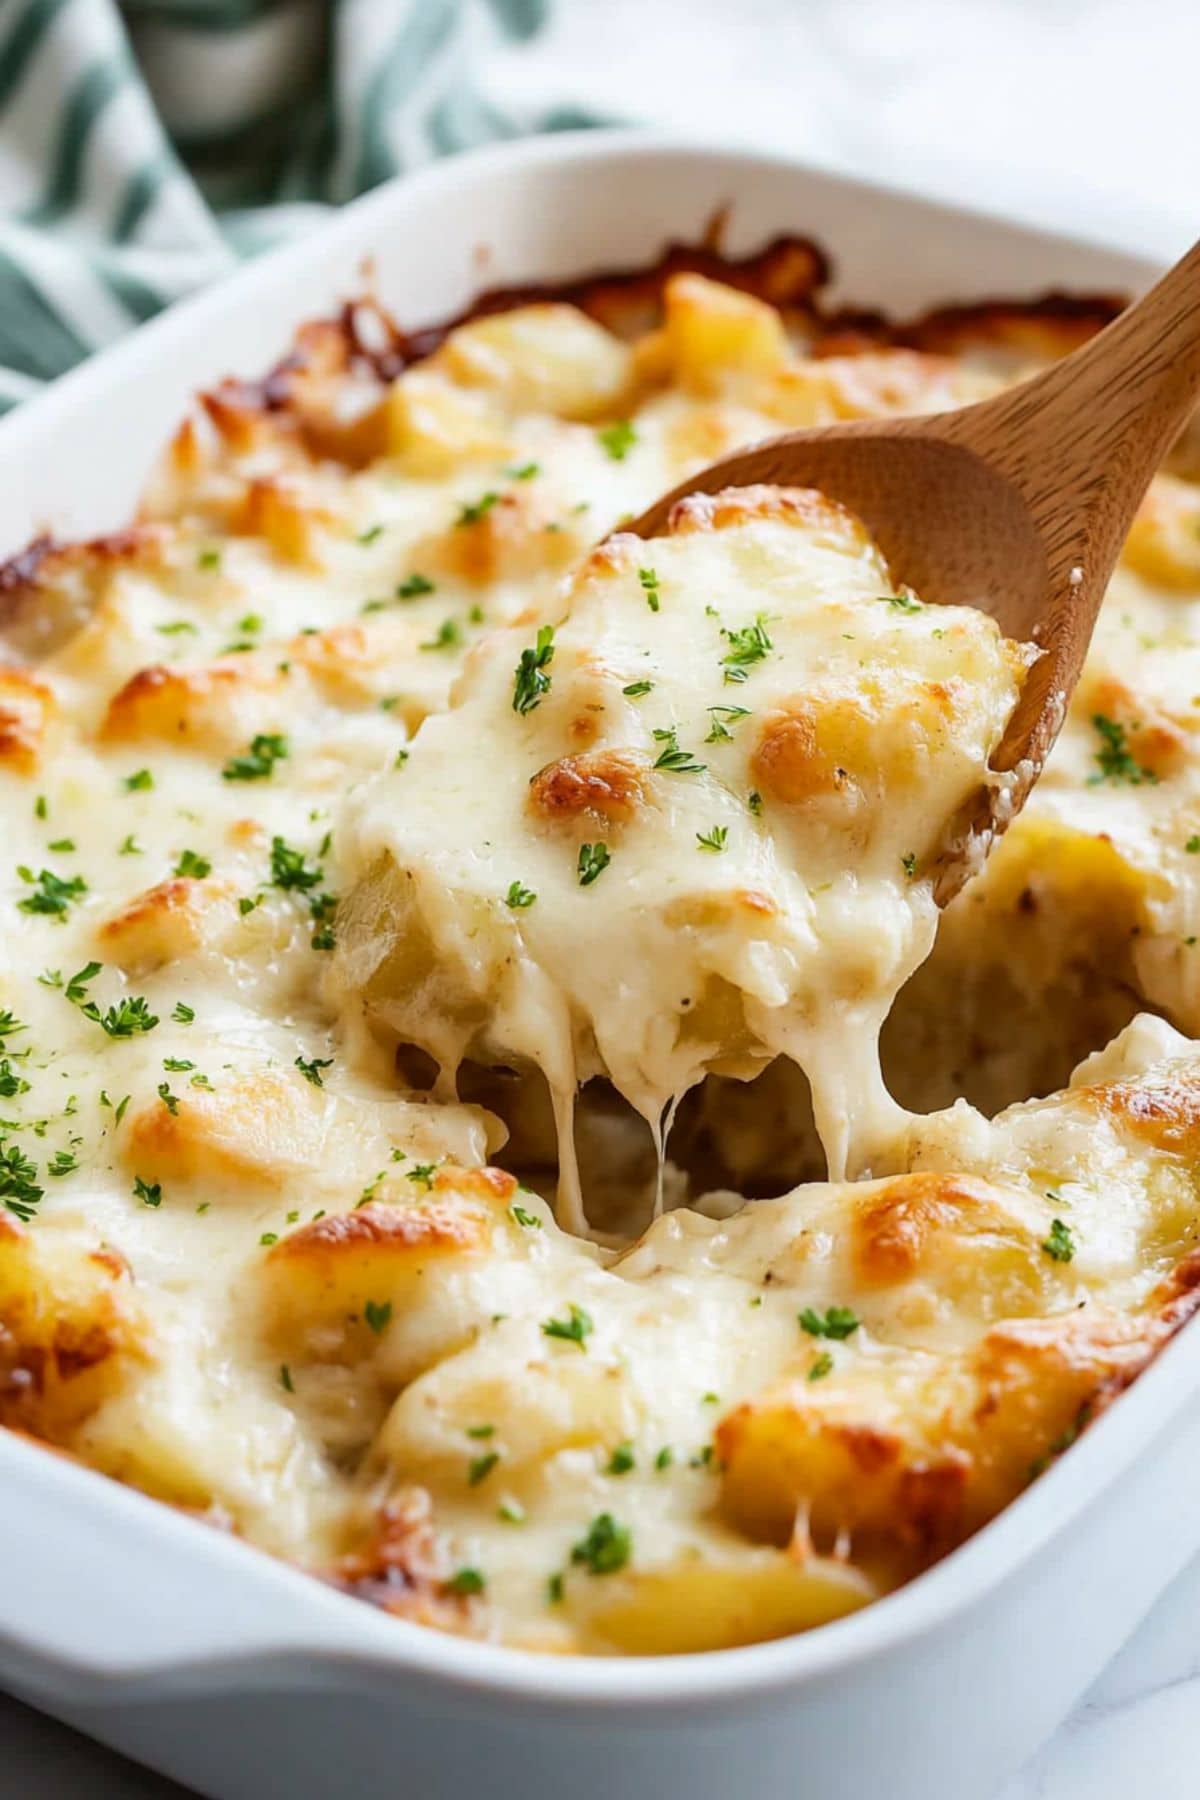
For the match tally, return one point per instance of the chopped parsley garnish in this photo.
(525, 472)
(413, 586)
(447, 637)
(909, 864)
(636, 689)
(467, 1581)
(475, 510)
(621, 1460)
(672, 758)
(40, 808)
(191, 864)
(480, 1467)
(519, 897)
(370, 535)
(754, 801)
(183, 1015)
(378, 1314)
(177, 1065)
(530, 680)
(63, 1162)
(748, 645)
(714, 839)
(1060, 1245)
(511, 1511)
(904, 603)
(665, 1457)
(285, 1379)
(821, 1367)
(289, 869)
(268, 1238)
(481, 1431)
(529, 1220)
(208, 559)
(266, 749)
(148, 1192)
(62, 846)
(52, 894)
(10, 1025)
(593, 860)
(10, 1082)
(554, 1589)
(130, 847)
(19, 1190)
(139, 782)
(422, 1174)
(177, 628)
(1114, 759)
(573, 1330)
(311, 1070)
(128, 1017)
(1193, 845)
(617, 440)
(835, 1322)
(722, 717)
(606, 1548)
(649, 581)
(169, 1100)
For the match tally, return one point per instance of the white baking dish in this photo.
(242, 1677)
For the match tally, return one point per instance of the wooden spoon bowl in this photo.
(1017, 506)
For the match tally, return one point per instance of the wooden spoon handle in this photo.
(1082, 442)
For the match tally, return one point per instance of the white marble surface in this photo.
(1078, 113)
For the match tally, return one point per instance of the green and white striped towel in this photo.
(146, 146)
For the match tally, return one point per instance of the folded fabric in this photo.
(145, 148)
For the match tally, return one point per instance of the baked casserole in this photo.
(449, 944)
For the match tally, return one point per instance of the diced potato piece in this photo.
(550, 358)
(714, 332)
(433, 425)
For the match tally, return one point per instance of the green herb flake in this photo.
(311, 1069)
(650, 587)
(518, 897)
(617, 440)
(52, 895)
(528, 1220)
(183, 1015)
(139, 782)
(674, 760)
(19, 1191)
(190, 864)
(714, 839)
(606, 1548)
(467, 1581)
(169, 1100)
(576, 1328)
(1114, 760)
(904, 603)
(447, 637)
(665, 1458)
(414, 586)
(421, 1174)
(722, 718)
(622, 1460)
(475, 510)
(593, 860)
(1060, 1245)
(837, 1322)
(636, 689)
(285, 1379)
(378, 1314)
(821, 1367)
(148, 1192)
(480, 1467)
(748, 645)
(530, 681)
(258, 764)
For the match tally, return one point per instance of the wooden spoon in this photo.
(1018, 505)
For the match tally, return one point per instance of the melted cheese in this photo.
(762, 740)
(264, 748)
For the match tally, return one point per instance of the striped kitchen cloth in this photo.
(146, 146)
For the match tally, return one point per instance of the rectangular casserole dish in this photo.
(237, 1675)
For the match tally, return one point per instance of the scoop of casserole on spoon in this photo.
(1018, 506)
